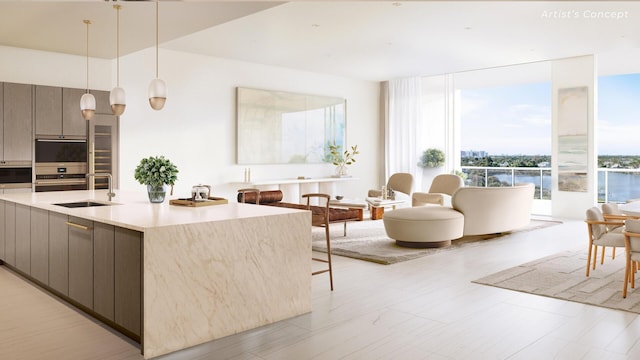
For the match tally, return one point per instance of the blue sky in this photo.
(619, 115)
(508, 119)
(517, 119)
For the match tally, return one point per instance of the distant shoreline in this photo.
(534, 161)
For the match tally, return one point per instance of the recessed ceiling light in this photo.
(396, 3)
(467, 27)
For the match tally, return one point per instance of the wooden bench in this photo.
(274, 198)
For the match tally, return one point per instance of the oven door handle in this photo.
(60, 182)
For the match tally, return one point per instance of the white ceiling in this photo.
(371, 40)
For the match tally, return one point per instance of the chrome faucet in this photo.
(110, 194)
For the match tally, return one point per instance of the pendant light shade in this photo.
(117, 97)
(87, 101)
(157, 87)
(88, 106)
(157, 93)
(118, 100)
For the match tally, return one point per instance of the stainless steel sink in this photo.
(81, 204)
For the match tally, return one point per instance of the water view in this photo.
(615, 183)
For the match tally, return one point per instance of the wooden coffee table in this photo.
(377, 206)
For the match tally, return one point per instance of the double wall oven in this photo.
(61, 164)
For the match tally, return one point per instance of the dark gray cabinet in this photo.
(96, 265)
(57, 112)
(23, 238)
(59, 252)
(40, 245)
(2, 235)
(1, 121)
(17, 121)
(81, 261)
(128, 279)
(103, 105)
(10, 233)
(72, 122)
(48, 110)
(103, 270)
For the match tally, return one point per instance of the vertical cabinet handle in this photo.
(77, 226)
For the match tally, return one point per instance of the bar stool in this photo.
(320, 217)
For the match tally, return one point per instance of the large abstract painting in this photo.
(277, 127)
(573, 157)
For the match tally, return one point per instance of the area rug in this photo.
(562, 276)
(367, 240)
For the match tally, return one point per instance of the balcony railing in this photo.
(508, 176)
(614, 185)
(618, 185)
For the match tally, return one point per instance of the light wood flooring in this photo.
(420, 309)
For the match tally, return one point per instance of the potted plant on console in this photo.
(431, 161)
(342, 158)
(156, 173)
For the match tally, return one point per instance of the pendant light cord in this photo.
(87, 22)
(117, 44)
(156, 39)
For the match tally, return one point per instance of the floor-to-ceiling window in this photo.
(618, 145)
(506, 136)
(505, 127)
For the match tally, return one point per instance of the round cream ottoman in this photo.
(424, 226)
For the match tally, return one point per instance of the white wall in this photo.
(197, 128)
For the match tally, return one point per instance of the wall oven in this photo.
(15, 175)
(61, 165)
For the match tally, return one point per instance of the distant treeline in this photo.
(604, 161)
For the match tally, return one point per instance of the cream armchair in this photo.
(442, 187)
(398, 182)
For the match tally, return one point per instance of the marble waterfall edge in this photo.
(209, 280)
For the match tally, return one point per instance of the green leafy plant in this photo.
(431, 158)
(156, 171)
(342, 158)
(463, 175)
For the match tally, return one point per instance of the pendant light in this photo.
(87, 101)
(157, 87)
(117, 97)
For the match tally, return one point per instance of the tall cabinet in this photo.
(57, 115)
(17, 128)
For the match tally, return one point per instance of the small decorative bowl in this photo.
(339, 197)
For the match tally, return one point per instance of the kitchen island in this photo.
(189, 274)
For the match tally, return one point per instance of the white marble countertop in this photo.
(132, 209)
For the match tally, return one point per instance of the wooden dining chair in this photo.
(611, 212)
(632, 250)
(599, 235)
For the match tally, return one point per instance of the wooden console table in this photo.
(293, 188)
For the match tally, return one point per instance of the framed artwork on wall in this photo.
(573, 146)
(277, 127)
